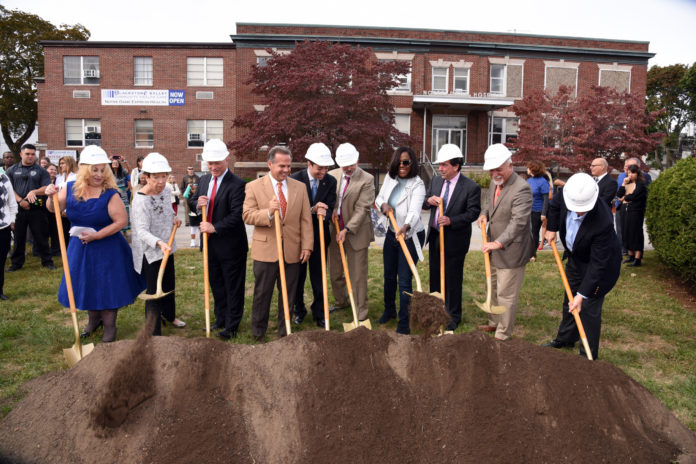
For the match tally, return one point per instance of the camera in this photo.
(116, 157)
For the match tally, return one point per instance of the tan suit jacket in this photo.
(356, 207)
(297, 224)
(510, 223)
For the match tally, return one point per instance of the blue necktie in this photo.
(446, 196)
(314, 189)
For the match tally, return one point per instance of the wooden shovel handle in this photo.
(206, 277)
(442, 253)
(569, 293)
(324, 287)
(404, 248)
(349, 286)
(281, 266)
(486, 255)
(165, 255)
(66, 267)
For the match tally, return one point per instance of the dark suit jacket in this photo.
(463, 208)
(596, 249)
(326, 193)
(607, 189)
(230, 234)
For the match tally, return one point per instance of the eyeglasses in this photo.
(404, 162)
(189, 169)
(595, 165)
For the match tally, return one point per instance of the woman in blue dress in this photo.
(100, 260)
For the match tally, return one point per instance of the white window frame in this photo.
(503, 79)
(504, 129)
(618, 68)
(145, 81)
(462, 72)
(205, 71)
(84, 124)
(403, 114)
(562, 64)
(432, 80)
(262, 61)
(204, 137)
(150, 140)
(464, 130)
(82, 70)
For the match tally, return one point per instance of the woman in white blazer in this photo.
(402, 192)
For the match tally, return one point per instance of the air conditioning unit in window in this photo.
(91, 73)
(92, 129)
(195, 137)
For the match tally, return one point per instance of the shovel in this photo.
(486, 306)
(442, 254)
(159, 293)
(78, 351)
(569, 293)
(348, 326)
(407, 254)
(281, 265)
(206, 277)
(324, 287)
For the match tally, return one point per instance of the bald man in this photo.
(607, 185)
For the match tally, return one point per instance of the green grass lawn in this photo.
(648, 334)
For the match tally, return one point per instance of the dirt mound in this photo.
(363, 396)
(428, 313)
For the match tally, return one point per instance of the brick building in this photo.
(134, 98)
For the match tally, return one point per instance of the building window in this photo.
(503, 130)
(498, 79)
(82, 132)
(81, 70)
(204, 72)
(262, 61)
(144, 134)
(402, 123)
(404, 82)
(440, 78)
(200, 131)
(461, 80)
(449, 129)
(142, 70)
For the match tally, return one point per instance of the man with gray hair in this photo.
(599, 168)
(276, 192)
(510, 236)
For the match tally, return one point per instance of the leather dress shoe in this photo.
(50, 267)
(213, 327)
(297, 320)
(86, 333)
(385, 318)
(335, 308)
(320, 323)
(487, 328)
(227, 334)
(4, 297)
(13, 268)
(558, 344)
(629, 259)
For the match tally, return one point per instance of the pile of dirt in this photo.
(363, 396)
(428, 313)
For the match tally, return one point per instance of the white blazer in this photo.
(407, 209)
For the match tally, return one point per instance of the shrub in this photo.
(671, 218)
(483, 179)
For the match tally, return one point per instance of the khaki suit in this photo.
(297, 235)
(355, 208)
(509, 222)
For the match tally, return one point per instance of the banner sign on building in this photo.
(143, 97)
(55, 155)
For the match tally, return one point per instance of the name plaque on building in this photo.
(142, 97)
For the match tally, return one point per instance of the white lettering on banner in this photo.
(142, 97)
(55, 155)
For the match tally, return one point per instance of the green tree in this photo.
(22, 61)
(668, 92)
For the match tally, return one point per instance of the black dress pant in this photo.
(454, 274)
(227, 274)
(53, 243)
(34, 219)
(161, 307)
(536, 228)
(267, 276)
(5, 240)
(315, 279)
(590, 313)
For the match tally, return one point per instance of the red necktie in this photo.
(340, 216)
(211, 201)
(281, 199)
(498, 189)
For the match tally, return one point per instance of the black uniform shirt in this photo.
(26, 178)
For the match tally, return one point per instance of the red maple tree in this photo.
(324, 92)
(560, 130)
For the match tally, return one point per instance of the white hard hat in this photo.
(92, 154)
(318, 153)
(346, 155)
(580, 193)
(215, 150)
(495, 156)
(154, 163)
(447, 152)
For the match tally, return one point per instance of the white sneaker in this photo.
(193, 244)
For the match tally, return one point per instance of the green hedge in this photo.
(671, 218)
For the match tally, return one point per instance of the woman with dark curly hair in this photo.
(634, 196)
(540, 195)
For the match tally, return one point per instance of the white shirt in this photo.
(212, 182)
(340, 190)
(598, 178)
(61, 180)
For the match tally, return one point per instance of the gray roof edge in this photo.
(127, 44)
(417, 29)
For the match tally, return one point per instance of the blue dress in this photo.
(102, 270)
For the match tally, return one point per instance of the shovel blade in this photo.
(74, 354)
(366, 323)
(490, 309)
(154, 296)
(348, 326)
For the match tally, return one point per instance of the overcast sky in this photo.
(669, 25)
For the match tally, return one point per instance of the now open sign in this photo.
(177, 98)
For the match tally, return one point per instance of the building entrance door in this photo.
(449, 129)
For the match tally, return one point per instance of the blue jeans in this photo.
(396, 267)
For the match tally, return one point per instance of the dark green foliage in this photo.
(671, 218)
